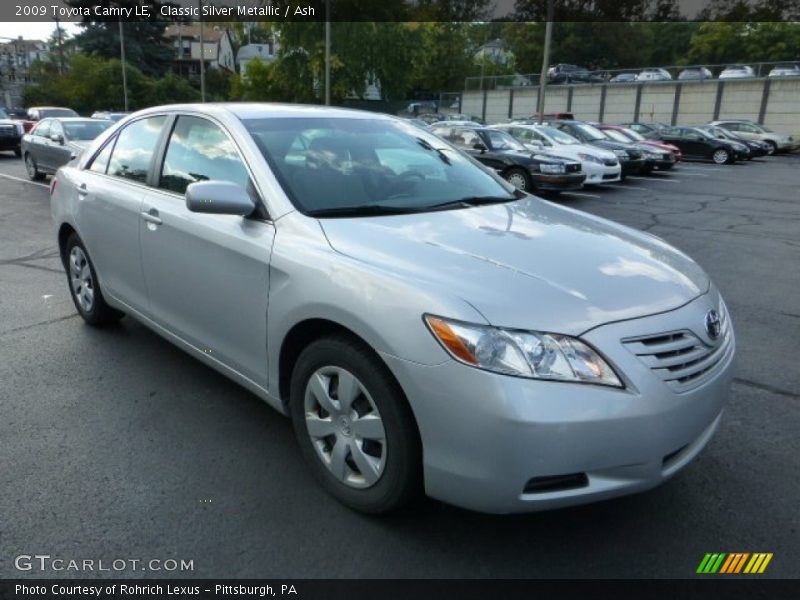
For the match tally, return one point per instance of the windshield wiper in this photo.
(365, 210)
(471, 201)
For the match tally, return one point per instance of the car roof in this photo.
(266, 110)
(73, 119)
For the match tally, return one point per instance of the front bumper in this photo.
(633, 166)
(558, 183)
(487, 436)
(597, 173)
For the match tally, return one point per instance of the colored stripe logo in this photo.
(734, 563)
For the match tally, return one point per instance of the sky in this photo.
(32, 31)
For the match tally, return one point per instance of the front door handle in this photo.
(82, 190)
(151, 216)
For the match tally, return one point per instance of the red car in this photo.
(639, 138)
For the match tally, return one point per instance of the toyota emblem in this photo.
(713, 324)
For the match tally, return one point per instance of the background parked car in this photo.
(631, 159)
(753, 131)
(10, 134)
(600, 166)
(785, 71)
(112, 116)
(55, 142)
(695, 73)
(665, 155)
(651, 131)
(571, 74)
(737, 72)
(656, 74)
(623, 78)
(512, 161)
(37, 113)
(756, 148)
(696, 143)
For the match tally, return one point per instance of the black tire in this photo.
(18, 152)
(522, 179)
(99, 314)
(401, 478)
(773, 147)
(34, 174)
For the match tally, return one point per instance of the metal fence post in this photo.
(483, 108)
(676, 103)
(638, 104)
(510, 103)
(569, 98)
(718, 101)
(602, 111)
(762, 111)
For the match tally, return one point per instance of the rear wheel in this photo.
(354, 426)
(18, 152)
(520, 179)
(721, 157)
(34, 174)
(84, 287)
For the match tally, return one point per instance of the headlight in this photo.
(621, 154)
(590, 158)
(651, 155)
(552, 168)
(530, 354)
(20, 129)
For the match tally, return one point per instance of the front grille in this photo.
(680, 358)
(573, 167)
(667, 156)
(634, 154)
(609, 176)
(610, 162)
(8, 131)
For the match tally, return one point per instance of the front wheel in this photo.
(34, 174)
(18, 152)
(519, 178)
(721, 157)
(354, 426)
(773, 147)
(84, 287)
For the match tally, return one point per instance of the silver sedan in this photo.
(425, 325)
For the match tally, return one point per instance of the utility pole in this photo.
(548, 35)
(202, 56)
(60, 47)
(122, 57)
(327, 52)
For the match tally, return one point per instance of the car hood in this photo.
(528, 264)
(609, 144)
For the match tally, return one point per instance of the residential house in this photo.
(250, 52)
(216, 50)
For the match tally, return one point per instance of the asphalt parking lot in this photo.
(114, 444)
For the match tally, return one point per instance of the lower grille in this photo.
(573, 167)
(555, 483)
(610, 163)
(680, 358)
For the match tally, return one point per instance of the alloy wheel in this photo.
(30, 167)
(518, 181)
(345, 427)
(721, 157)
(80, 277)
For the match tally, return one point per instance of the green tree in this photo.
(145, 45)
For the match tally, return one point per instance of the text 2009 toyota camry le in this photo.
(425, 325)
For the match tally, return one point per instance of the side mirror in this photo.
(219, 198)
(57, 138)
(479, 146)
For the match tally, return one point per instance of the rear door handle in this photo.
(82, 190)
(151, 216)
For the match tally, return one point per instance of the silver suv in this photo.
(425, 324)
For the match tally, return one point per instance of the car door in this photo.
(696, 144)
(111, 189)
(207, 275)
(38, 147)
(58, 152)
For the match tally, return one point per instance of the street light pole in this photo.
(327, 52)
(60, 47)
(122, 57)
(548, 35)
(202, 56)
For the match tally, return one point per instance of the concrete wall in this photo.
(696, 102)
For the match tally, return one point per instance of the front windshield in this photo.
(84, 131)
(616, 135)
(344, 166)
(501, 140)
(633, 134)
(558, 136)
(592, 132)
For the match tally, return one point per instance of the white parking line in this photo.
(654, 179)
(583, 194)
(626, 187)
(44, 185)
(695, 175)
